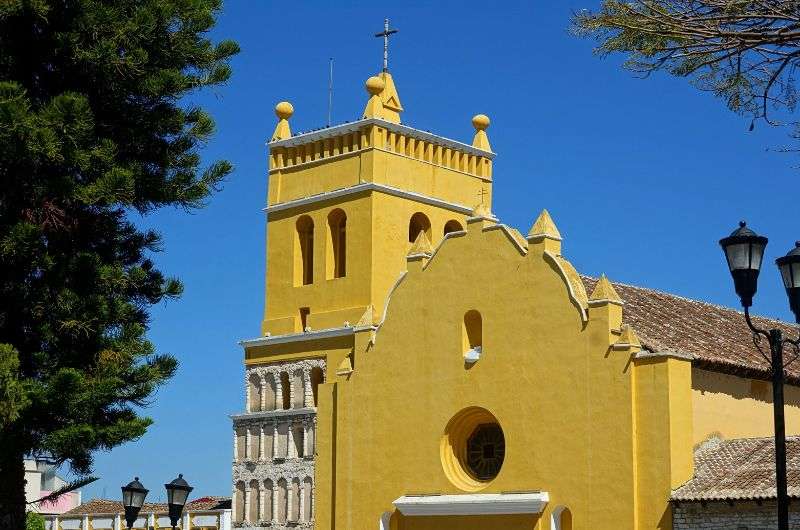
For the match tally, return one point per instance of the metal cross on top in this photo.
(385, 34)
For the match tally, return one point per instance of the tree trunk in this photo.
(12, 486)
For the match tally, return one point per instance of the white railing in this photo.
(191, 520)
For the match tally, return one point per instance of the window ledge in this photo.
(473, 354)
(473, 504)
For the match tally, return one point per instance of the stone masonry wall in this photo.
(741, 515)
(274, 444)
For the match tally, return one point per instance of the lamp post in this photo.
(132, 500)
(177, 492)
(744, 250)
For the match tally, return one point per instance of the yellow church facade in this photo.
(423, 366)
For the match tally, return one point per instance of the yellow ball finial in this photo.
(375, 85)
(284, 110)
(480, 122)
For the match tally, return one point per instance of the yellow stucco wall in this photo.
(377, 222)
(737, 407)
(391, 217)
(332, 301)
(379, 156)
(377, 242)
(563, 397)
(662, 402)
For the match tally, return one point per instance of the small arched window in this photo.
(299, 443)
(307, 499)
(561, 519)
(269, 391)
(304, 257)
(337, 244)
(268, 491)
(317, 378)
(255, 444)
(238, 504)
(298, 390)
(268, 435)
(255, 497)
(419, 223)
(254, 393)
(472, 335)
(285, 391)
(282, 500)
(310, 441)
(283, 440)
(294, 513)
(241, 444)
(452, 226)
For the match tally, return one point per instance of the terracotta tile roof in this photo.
(742, 468)
(106, 506)
(716, 337)
(210, 503)
(109, 506)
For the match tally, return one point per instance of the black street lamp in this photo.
(744, 250)
(132, 500)
(177, 492)
(789, 266)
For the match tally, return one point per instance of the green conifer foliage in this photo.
(34, 521)
(93, 132)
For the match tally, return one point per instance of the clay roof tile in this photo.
(716, 337)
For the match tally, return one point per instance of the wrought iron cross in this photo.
(385, 34)
(482, 194)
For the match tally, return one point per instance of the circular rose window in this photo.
(486, 448)
(472, 449)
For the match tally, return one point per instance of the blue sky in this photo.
(641, 176)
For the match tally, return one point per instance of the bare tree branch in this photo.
(745, 52)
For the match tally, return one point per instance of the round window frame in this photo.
(453, 448)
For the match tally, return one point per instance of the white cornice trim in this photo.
(313, 136)
(542, 235)
(602, 301)
(473, 504)
(577, 303)
(369, 186)
(665, 354)
(304, 336)
(386, 304)
(278, 413)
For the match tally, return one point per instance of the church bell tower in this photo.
(345, 206)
